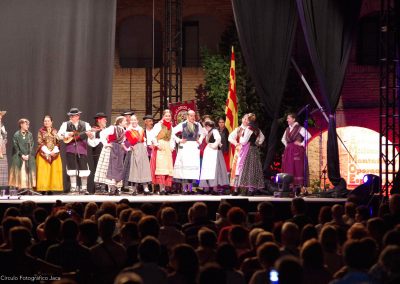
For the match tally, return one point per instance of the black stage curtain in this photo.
(329, 27)
(266, 30)
(55, 54)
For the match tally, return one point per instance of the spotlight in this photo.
(283, 180)
(372, 183)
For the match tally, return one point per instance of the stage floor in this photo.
(49, 199)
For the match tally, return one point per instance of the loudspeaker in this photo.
(136, 42)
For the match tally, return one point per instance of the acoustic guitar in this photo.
(76, 134)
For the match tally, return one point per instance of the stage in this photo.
(177, 198)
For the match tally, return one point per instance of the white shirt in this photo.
(63, 133)
(233, 135)
(303, 132)
(244, 139)
(179, 128)
(150, 136)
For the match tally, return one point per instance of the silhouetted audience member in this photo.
(290, 270)
(185, 263)
(69, 254)
(266, 216)
(90, 210)
(6, 225)
(393, 217)
(267, 255)
(207, 249)
(148, 268)
(349, 216)
(309, 232)
(391, 237)
(212, 273)
(324, 217)
(236, 216)
(357, 231)
(128, 278)
(299, 208)
(312, 258)
(250, 262)
(339, 223)
(376, 228)
(362, 214)
(386, 270)
(222, 215)
(51, 230)
(330, 247)
(16, 261)
(199, 219)
(290, 238)
(169, 235)
(108, 257)
(130, 240)
(239, 238)
(228, 260)
(88, 233)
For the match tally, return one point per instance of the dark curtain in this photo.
(266, 30)
(55, 55)
(329, 27)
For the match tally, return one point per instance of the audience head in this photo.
(289, 269)
(359, 254)
(394, 204)
(226, 256)
(106, 224)
(312, 254)
(199, 211)
(264, 237)
(350, 209)
(392, 237)
(298, 206)
(185, 262)
(239, 237)
(223, 209)
(148, 209)
(88, 233)
(149, 249)
(324, 215)
(376, 228)
(267, 254)
(236, 216)
(128, 278)
(39, 215)
(362, 213)
(307, 233)
(390, 259)
(253, 236)
(52, 227)
(20, 238)
(357, 231)
(69, 230)
(290, 234)
(7, 224)
(11, 212)
(207, 238)
(329, 239)
(148, 226)
(169, 217)
(212, 273)
(130, 232)
(109, 208)
(265, 210)
(337, 212)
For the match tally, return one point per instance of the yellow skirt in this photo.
(49, 176)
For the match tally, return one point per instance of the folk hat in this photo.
(74, 111)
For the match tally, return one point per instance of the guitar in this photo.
(75, 134)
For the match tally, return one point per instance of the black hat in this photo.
(100, 115)
(148, 116)
(128, 112)
(74, 111)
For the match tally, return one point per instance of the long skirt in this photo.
(213, 169)
(251, 175)
(102, 169)
(161, 164)
(49, 176)
(3, 171)
(233, 167)
(139, 171)
(187, 163)
(293, 162)
(24, 176)
(127, 166)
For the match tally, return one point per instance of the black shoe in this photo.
(235, 193)
(250, 193)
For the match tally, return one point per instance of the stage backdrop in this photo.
(55, 54)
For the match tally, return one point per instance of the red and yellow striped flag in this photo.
(231, 109)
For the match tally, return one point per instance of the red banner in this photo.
(179, 110)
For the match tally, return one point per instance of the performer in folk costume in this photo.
(99, 125)
(213, 168)
(249, 172)
(234, 138)
(224, 133)
(161, 160)
(23, 167)
(187, 163)
(3, 154)
(77, 135)
(149, 133)
(48, 159)
(139, 167)
(127, 185)
(110, 169)
(294, 156)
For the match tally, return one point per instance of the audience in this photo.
(116, 243)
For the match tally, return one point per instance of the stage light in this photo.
(372, 183)
(284, 180)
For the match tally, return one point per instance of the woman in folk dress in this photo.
(213, 169)
(3, 154)
(139, 171)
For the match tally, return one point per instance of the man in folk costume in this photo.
(294, 139)
(77, 135)
(149, 133)
(99, 125)
(234, 139)
(187, 163)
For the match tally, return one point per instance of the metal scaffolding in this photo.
(389, 119)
